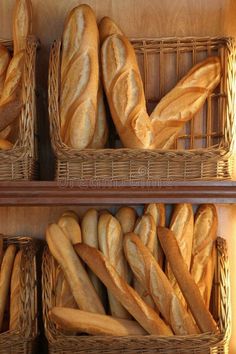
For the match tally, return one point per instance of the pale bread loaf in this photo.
(22, 24)
(15, 292)
(128, 297)
(71, 228)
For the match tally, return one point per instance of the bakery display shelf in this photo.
(59, 193)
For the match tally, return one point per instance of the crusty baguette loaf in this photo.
(154, 280)
(11, 98)
(129, 298)
(79, 77)
(71, 213)
(71, 228)
(89, 228)
(158, 212)
(4, 62)
(22, 24)
(127, 217)
(204, 250)
(81, 287)
(182, 226)
(100, 135)
(15, 292)
(1, 249)
(5, 278)
(184, 101)
(145, 228)
(96, 324)
(186, 282)
(110, 240)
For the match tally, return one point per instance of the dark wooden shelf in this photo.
(88, 193)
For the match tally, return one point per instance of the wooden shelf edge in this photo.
(90, 193)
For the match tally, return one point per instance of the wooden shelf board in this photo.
(59, 193)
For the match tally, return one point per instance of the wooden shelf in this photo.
(59, 193)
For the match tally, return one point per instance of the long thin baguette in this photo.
(110, 239)
(128, 297)
(96, 324)
(15, 292)
(22, 24)
(158, 212)
(4, 62)
(79, 77)
(154, 280)
(81, 287)
(89, 228)
(5, 279)
(182, 226)
(186, 282)
(204, 250)
(71, 228)
(127, 217)
(71, 213)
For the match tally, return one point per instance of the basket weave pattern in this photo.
(20, 162)
(22, 340)
(150, 344)
(202, 150)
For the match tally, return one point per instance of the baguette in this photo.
(127, 217)
(1, 249)
(4, 62)
(96, 324)
(128, 297)
(81, 287)
(15, 292)
(79, 78)
(89, 227)
(182, 226)
(71, 228)
(186, 282)
(204, 250)
(154, 280)
(158, 213)
(71, 213)
(110, 239)
(22, 24)
(5, 279)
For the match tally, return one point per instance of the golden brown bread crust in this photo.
(5, 278)
(110, 239)
(81, 287)
(71, 228)
(128, 297)
(127, 218)
(186, 282)
(4, 62)
(79, 77)
(22, 24)
(96, 324)
(153, 279)
(204, 249)
(182, 226)
(1, 249)
(15, 292)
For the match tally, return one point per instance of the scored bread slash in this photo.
(186, 282)
(128, 297)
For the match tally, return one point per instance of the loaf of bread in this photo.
(154, 280)
(110, 239)
(4, 62)
(204, 249)
(186, 282)
(15, 292)
(71, 228)
(89, 228)
(71, 213)
(22, 24)
(184, 101)
(127, 217)
(80, 284)
(182, 226)
(5, 279)
(96, 324)
(63, 293)
(79, 77)
(1, 249)
(128, 297)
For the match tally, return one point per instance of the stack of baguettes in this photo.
(10, 268)
(11, 74)
(82, 113)
(111, 277)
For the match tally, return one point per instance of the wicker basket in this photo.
(203, 149)
(23, 340)
(20, 162)
(202, 344)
